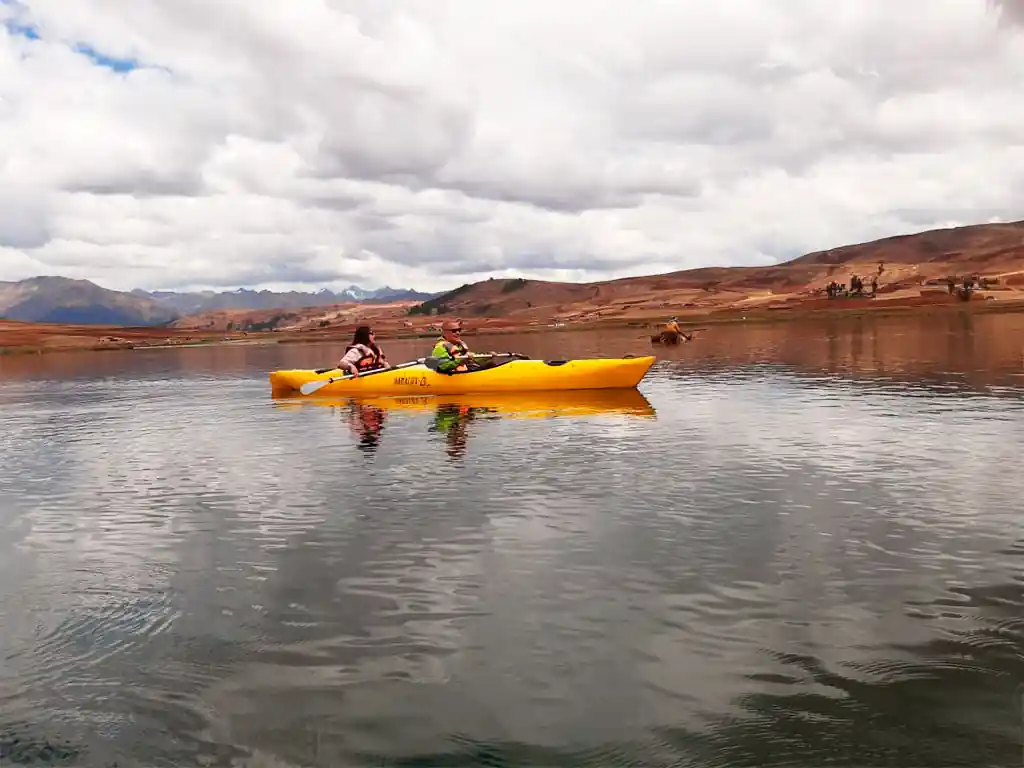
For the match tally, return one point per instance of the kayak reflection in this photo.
(453, 413)
(452, 421)
(366, 422)
(519, 405)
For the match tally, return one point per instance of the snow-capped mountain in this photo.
(190, 303)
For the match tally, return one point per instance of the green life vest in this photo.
(440, 351)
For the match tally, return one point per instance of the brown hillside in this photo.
(299, 319)
(914, 271)
(977, 244)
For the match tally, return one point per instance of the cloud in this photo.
(429, 142)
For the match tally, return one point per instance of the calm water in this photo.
(803, 545)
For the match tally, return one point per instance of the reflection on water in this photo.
(367, 422)
(956, 350)
(792, 547)
(452, 414)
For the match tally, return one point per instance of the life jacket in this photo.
(448, 349)
(369, 360)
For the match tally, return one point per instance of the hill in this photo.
(908, 270)
(982, 246)
(914, 271)
(77, 302)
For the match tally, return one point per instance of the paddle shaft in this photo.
(312, 386)
(432, 362)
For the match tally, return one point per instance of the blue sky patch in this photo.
(31, 32)
(21, 30)
(15, 27)
(102, 60)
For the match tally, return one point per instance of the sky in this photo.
(428, 143)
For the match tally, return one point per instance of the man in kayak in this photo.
(673, 332)
(451, 351)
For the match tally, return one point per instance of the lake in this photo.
(799, 544)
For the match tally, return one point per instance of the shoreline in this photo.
(50, 339)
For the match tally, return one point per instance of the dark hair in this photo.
(362, 336)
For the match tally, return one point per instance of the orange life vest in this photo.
(370, 360)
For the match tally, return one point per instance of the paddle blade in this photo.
(312, 386)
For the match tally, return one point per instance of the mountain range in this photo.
(78, 302)
(50, 299)
(243, 298)
(906, 268)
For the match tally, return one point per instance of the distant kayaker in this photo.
(363, 354)
(451, 351)
(672, 326)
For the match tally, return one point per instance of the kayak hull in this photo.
(513, 376)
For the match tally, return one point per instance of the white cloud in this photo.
(428, 142)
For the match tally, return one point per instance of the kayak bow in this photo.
(511, 376)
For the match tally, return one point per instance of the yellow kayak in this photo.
(523, 405)
(513, 376)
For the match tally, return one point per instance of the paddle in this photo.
(312, 386)
(430, 362)
(433, 362)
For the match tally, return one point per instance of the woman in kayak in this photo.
(363, 354)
